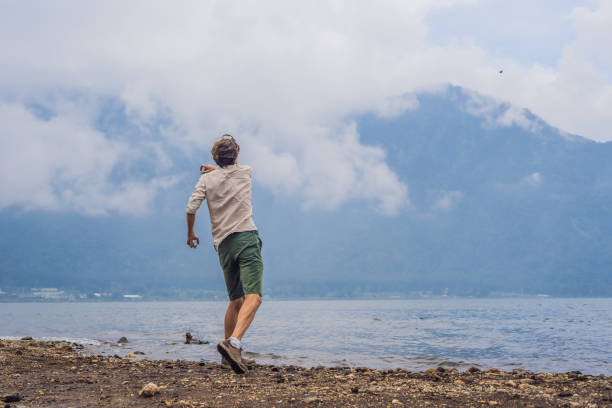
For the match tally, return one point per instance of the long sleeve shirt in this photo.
(228, 194)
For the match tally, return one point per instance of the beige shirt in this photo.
(228, 193)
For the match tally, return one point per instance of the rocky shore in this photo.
(54, 374)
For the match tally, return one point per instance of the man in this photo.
(227, 190)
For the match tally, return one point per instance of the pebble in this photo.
(310, 400)
(320, 386)
(122, 340)
(12, 398)
(149, 390)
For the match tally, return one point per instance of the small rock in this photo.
(26, 338)
(12, 398)
(122, 340)
(458, 382)
(148, 390)
(524, 386)
(130, 355)
(431, 371)
(493, 403)
(190, 339)
(473, 370)
(396, 402)
(139, 353)
(565, 393)
(355, 390)
(310, 400)
(63, 346)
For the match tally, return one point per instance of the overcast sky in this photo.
(282, 76)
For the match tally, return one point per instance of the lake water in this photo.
(541, 334)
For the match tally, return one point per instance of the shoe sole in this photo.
(250, 364)
(236, 366)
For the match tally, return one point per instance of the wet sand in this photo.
(54, 374)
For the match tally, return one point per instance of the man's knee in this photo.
(256, 298)
(237, 303)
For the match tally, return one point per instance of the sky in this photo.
(98, 100)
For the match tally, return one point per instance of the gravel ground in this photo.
(54, 374)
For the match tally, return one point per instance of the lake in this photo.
(536, 334)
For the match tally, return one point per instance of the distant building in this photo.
(132, 297)
(48, 293)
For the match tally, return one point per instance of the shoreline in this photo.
(223, 298)
(37, 373)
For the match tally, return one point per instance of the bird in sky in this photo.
(501, 71)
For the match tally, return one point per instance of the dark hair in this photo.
(225, 150)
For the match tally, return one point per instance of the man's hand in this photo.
(206, 168)
(192, 238)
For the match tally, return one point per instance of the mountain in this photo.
(516, 208)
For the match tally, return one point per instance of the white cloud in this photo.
(341, 168)
(447, 200)
(594, 31)
(532, 180)
(62, 163)
(283, 77)
(497, 113)
(397, 105)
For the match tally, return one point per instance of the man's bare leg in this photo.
(246, 315)
(231, 315)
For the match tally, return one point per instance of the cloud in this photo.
(497, 113)
(341, 168)
(284, 77)
(532, 180)
(447, 200)
(397, 105)
(63, 164)
(572, 91)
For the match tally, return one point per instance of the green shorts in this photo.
(240, 258)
